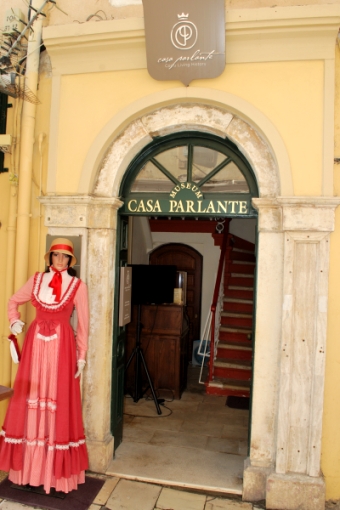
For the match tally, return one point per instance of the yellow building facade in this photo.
(278, 100)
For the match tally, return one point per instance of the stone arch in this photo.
(202, 110)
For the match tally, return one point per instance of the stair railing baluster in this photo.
(215, 301)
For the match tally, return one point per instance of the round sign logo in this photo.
(184, 35)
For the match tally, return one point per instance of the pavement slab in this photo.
(130, 495)
(180, 500)
(224, 504)
(11, 505)
(105, 492)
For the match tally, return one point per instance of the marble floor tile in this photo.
(234, 432)
(187, 415)
(188, 405)
(214, 399)
(141, 408)
(227, 418)
(158, 423)
(158, 449)
(243, 447)
(135, 433)
(181, 467)
(166, 438)
(216, 408)
(217, 444)
(204, 429)
(128, 418)
(192, 397)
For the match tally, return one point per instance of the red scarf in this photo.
(56, 282)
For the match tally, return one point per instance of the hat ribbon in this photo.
(61, 247)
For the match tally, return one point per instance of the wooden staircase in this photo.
(232, 369)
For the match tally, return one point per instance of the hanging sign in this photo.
(186, 199)
(185, 39)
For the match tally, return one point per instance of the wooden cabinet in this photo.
(164, 342)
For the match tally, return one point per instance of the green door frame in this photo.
(157, 146)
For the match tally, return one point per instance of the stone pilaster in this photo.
(267, 337)
(299, 357)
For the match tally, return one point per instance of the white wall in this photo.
(141, 240)
(244, 228)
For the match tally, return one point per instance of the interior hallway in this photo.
(198, 442)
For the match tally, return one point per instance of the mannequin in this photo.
(42, 441)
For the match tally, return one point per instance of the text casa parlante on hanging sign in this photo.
(185, 39)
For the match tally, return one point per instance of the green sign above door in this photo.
(186, 199)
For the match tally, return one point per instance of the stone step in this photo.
(233, 363)
(228, 387)
(236, 322)
(227, 329)
(228, 299)
(234, 346)
(241, 275)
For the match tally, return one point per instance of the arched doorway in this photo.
(187, 175)
(94, 216)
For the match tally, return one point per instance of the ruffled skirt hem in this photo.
(61, 484)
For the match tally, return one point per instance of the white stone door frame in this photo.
(293, 248)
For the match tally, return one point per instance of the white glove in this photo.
(13, 352)
(16, 327)
(80, 364)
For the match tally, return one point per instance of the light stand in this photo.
(138, 353)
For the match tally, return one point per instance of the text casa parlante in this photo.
(185, 39)
(186, 198)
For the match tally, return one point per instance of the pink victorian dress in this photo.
(42, 441)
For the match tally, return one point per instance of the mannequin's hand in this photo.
(80, 364)
(16, 327)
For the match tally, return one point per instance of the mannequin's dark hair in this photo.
(70, 270)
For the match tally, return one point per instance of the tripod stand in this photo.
(137, 351)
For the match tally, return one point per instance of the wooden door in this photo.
(189, 260)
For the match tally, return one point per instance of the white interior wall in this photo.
(141, 240)
(244, 228)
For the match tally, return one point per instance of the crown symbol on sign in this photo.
(182, 16)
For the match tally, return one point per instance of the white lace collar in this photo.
(42, 295)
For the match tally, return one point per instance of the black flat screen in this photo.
(153, 284)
